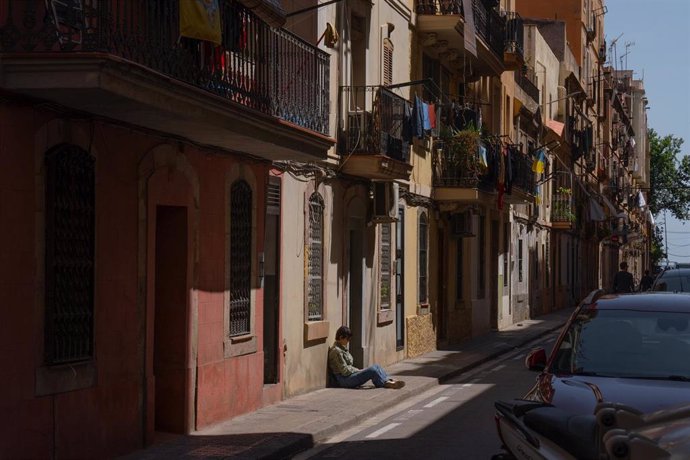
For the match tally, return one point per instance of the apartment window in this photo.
(520, 275)
(423, 252)
(315, 259)
(387, 62)
(385, 293)
(547, 264)
(240, 258)
(481, 285)
(458, 269)
(69, 254)
(506, 252)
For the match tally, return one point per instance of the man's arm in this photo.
(338, 365)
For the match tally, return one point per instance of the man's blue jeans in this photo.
(374, 373)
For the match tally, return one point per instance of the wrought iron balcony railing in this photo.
(372, 122)
(523, 176)
(457, 164)
(527, 81)
(262, 68)
(515, 33)
(489, 24)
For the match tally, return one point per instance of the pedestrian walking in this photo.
(646, 281)
(623, 281)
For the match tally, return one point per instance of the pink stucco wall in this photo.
(108, 418)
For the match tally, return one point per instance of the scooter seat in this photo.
(576, 434)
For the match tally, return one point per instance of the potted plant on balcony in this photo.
(463, 150)
(562, 210)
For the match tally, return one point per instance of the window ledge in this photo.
(240, 345)
(385, 317)
(65, 377)
(316, 330)
(423, 309)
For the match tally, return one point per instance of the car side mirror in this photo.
(536, 360)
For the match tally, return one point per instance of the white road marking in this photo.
(498, 368)
(436, 401)
(410, 413)
(385, 429)
(466, 385)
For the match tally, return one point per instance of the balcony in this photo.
(523, 179)
(442, 23)
(562, 209)
(514, 53)
(527, 81)
(458, 173)
(263, 91)
(370, 140)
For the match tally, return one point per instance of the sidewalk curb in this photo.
(503, 350)
(316, 438)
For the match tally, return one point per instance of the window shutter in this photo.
(387, 62)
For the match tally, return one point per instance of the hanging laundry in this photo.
(436, 131)
(537, 195)
(407, 126)
(539, 162)
(200, 20)
(426, 121)
(483, 163)
(417, 119)
(509, 170)
(432, 116)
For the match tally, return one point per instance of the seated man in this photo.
(348, 376)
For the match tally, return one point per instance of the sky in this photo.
(659, 51)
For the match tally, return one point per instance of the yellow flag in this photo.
(200, 19)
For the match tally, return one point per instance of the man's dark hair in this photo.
(343, 331)
(624, 265)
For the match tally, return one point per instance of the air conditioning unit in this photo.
(385, 205)
(464, 224)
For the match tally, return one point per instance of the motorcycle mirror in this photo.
(536, 360)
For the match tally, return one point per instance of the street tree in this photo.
(669, 182)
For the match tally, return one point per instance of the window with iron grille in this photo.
(458, 270)
(69, 254)
(547, 264)
(315, 259)
(387, 62)
(506, 252)
(520, 275)
(423, 251)
(240, 258)
(481, 285)
(385, 266)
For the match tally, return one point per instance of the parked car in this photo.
(677, 280)
(627, 349)
(630, 350)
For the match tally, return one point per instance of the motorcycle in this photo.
(535, 430)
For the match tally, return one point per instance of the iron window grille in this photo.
(423, 252)
(315, 259)
(240, 258)
(520, 275)
(385, 267)
(69, 255)
(481, 285)
(458, 269)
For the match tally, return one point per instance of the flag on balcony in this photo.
(539, 161)
(200, 19)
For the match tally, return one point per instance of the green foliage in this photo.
(657, 252)
(669, 176)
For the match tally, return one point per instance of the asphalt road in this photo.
(454, 420)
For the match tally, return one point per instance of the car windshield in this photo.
(623, 343)
(673, 283)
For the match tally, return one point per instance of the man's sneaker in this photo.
(395, 384)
